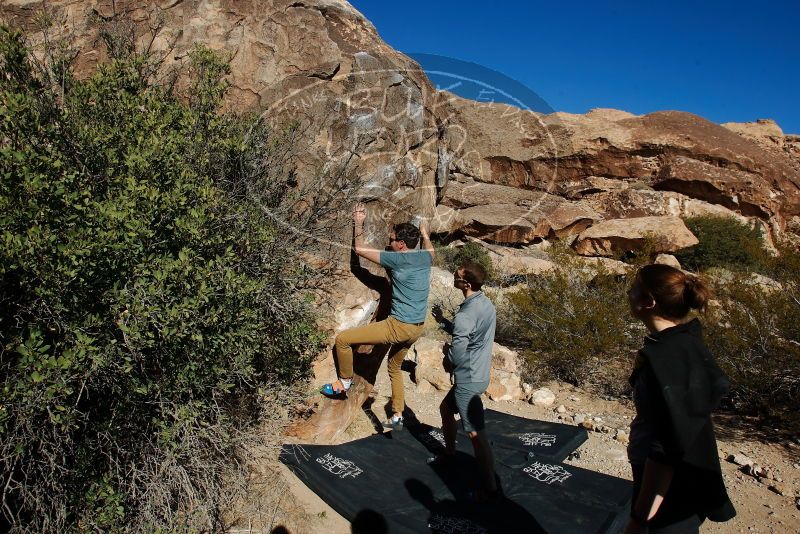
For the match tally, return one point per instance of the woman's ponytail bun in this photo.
(696, 293)
(675, 292)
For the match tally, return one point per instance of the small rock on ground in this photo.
(542, 397)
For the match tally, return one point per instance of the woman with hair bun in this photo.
(677, 481)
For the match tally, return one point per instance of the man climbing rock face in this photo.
(469, 359)
(410, 271)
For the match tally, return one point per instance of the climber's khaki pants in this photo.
(389, 331)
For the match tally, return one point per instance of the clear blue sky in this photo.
(726, 61)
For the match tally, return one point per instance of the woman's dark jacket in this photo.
(687, 385)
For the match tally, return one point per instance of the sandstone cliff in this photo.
(320, 62)
(608, 151)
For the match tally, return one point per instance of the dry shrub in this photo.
(573, 327)
(754, 332)
(264, 499)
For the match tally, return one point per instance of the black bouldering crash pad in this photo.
(517, 440)
(386, 476)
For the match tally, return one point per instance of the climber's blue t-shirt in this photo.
(411, 274)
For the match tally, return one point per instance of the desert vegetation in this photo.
(155, 314)
(753, 330)
(724, 242)
(449, 258)
(574, 325)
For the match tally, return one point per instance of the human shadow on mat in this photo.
(369, 522)
(427, 435)
(376, 423)
(409, 417)
(450, 515)
(461, 475)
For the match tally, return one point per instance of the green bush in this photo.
(755, 335)
(752, 327)
(147, 300)
(754, 332)
(785, 265)
(573, 328)
(449, 258)
(724, 242)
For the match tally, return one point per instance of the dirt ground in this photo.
(760, 509)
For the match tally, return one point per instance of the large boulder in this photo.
(442, 292)
(569, 218)
(364, 105)
(427, 354)
(618, 236)
(501, 223)
(504, 385)
(510, 215)
(765, 132)
(465, 194)
(563, 154)
(739, 190)
(595, 265)
(511, 261)
(322, 64)
(514, 264)
(769, 135)
(625, 202)
(446, 220)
